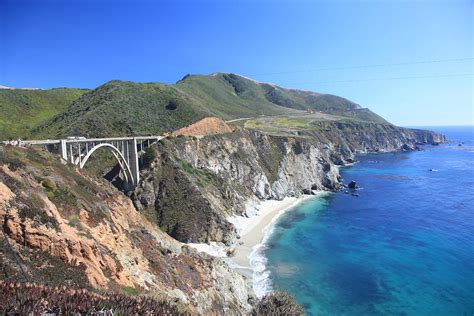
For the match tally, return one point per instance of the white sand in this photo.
(250, 228)
(253, 229)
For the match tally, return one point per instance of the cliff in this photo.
(195, 184)
(61, 227)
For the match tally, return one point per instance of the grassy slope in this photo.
(128, 108)
(125, 108)
(23, 110)
(230, 96)
(301, 124)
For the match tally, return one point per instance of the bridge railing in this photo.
(77, 150)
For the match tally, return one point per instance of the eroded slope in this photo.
(195, 184)
(60, 227)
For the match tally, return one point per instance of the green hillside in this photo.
(128, 108)
(234, 96)
(22, 110)
(124, 108)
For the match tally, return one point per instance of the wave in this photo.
(261, 281)
(261, 277)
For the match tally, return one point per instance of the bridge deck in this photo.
(77, 150)
(81, 140)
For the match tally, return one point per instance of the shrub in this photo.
(74, 221)
(64, 197)
(172, 105)
(129, 290)
(148, 157)
(49, 185)
(277, 303)
(203, 177)
(34, 299)
(33, 208)
(13, 159)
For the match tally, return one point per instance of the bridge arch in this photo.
(118, 156)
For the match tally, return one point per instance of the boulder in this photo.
(352, 185)
(407, 147)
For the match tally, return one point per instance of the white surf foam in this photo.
(261, 281)
(258, 262)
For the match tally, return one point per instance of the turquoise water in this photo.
(405, 246)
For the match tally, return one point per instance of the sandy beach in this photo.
(253, 229)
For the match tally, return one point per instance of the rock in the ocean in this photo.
(352, 185)
(407, 147)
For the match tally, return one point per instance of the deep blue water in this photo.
(405, 246)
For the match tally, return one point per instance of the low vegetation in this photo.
(148, 157)
(185, 192)
(203, 177)
(62, 227)
(23, 110)
(278, 304)
(37, 299)
(47, 170)
(122, 108)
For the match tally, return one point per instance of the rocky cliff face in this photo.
(196, 183)
(350, 137)
(61, 227)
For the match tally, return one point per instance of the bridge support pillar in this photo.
(63, 149)
(134, 162)
(77, 150)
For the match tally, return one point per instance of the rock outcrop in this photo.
(61, 227)
(206, 126)
(195, 184)
(352, 185)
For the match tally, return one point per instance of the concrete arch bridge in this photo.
(78, 150)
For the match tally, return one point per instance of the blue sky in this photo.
(311, 45)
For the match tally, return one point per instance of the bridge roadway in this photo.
(78, 150)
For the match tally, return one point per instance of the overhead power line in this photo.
(367, 66)
(391, 78)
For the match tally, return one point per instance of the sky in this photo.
(409, 61)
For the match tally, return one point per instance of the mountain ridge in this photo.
(129, 108)
(283, 143)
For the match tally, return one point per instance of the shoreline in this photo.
(254, 231)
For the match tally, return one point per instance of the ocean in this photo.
(404, 246)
